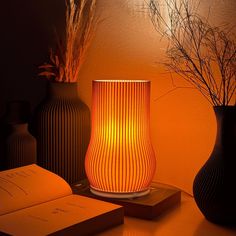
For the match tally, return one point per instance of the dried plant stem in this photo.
(66, 61)
(200, 53)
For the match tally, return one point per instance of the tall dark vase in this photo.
(214, 185)
(63, 132)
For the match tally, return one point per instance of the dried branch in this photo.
(200, 53)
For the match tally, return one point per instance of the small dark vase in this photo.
(63, 132)
(21, 147)
(19, 144)
(214, 185)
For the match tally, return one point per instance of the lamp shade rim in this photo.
(120, 81)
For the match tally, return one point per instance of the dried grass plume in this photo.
(66, 60)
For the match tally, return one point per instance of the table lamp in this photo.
(120, 161)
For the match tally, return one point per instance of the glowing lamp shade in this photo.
(120, 160)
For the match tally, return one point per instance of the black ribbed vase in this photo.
(21, 147)
(63, 132)
(214, 185)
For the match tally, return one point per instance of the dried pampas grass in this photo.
(66, 60)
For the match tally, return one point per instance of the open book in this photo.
(34, 201)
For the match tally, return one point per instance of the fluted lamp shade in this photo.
(120, 161)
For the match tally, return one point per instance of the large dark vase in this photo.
(214, 186)
(63, 132)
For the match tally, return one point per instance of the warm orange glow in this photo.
(183, 125)
(120, 157)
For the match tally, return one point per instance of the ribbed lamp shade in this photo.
(120, 160)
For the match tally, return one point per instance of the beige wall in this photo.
(183, 125)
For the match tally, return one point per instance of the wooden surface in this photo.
(160, 199)
(183, 220)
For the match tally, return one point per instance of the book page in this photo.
(53, 216)
(29, 185)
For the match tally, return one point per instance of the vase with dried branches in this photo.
(205, 56)
(63, 120)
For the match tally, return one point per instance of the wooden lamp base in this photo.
(159, 199)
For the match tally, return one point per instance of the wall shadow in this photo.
(27, 33)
